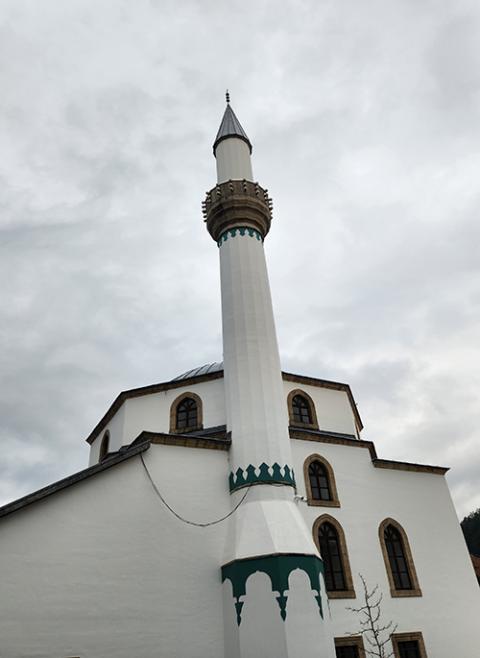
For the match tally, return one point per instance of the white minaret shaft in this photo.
(267, 533)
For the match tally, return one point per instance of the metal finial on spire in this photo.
(227, 96)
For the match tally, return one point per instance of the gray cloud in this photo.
(364, 124)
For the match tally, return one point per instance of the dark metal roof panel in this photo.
(230, 127)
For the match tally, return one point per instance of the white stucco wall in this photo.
(334, 411)
(152, 412)
(103, 570)
(116, 428)
(448, 611)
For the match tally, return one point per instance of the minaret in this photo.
(270, 608)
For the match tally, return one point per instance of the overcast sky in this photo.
(364, 117)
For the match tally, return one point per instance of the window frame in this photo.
(394, 592)
(351, 640)
(173, 414)
(104, 446)
(349, 591)
(313, 413)
(417, 636)
(332, 485)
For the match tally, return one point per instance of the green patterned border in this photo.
(278, 568)
(240, 230)
(262, 474)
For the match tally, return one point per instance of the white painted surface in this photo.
(116, 428)
(254, 395)
(103, 570)
(421, 503)
(233, 160)
(334, 412)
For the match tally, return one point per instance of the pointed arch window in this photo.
(186, 413)
(320, 482)
(330, 540)
(398, 560)
(104, 446)
(301, 410)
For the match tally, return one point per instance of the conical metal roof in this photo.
(230, 127)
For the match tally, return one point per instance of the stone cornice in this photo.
(325, 383)
(323, 437)
(184, 383)
(184, 440)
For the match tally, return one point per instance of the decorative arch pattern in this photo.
(328, 534)
(320, 482)
(104, 446)
(301, 410)
(186, 414)
(399, 564)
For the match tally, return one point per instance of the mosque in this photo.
(232, 511)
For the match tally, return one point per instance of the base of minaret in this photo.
(275, 606)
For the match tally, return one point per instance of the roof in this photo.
(205, 373)
(230, 127)
(201, 370)
(108, 462)
(215, 438)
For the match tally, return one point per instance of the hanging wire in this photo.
(181, 518)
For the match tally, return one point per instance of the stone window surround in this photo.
(334, 502)
(314, 424)
(408, 637)
(394, 592)
(349, 592)
(349, 640)
(104, 446)
(173, 414)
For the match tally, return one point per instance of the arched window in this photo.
(186, 413)
(330, 540)
(320, 482)
(104, 446)
(301, 410)
(398, 559)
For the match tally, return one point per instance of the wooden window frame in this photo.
(104, 446)
(349, 592)
(408, 637)
(173, 414)
(334, 502)
(394, 592)
(348, 641)
(311, 426)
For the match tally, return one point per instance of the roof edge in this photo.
(122, 455)
(165, 386)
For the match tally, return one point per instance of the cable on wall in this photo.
(181, 518)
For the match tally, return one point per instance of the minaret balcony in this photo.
(237, 203)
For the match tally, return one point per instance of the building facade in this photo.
(229, 513)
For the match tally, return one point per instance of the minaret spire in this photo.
(267, 532)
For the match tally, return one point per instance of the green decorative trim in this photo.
(240, 230)
(263, 474)
(278, 568)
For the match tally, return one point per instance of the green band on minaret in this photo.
(240, 231)
(278, 568)
(263, 474)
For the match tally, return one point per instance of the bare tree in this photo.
(374, 631)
